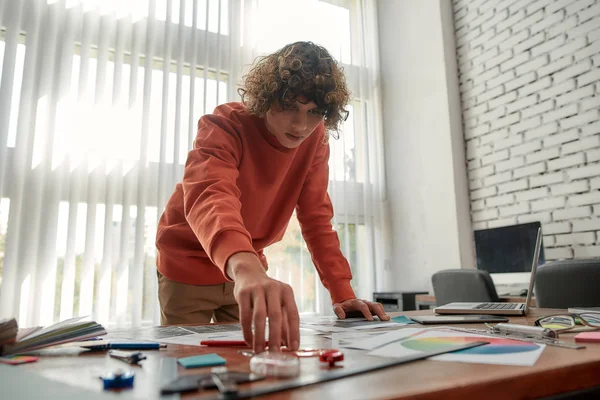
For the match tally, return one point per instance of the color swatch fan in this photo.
(8, 330)
(70, 330)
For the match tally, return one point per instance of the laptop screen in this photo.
(507, 249)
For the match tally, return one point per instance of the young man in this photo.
(252, 165)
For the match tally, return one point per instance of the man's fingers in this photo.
(377, 309)
(293, 319)
(285, 338)
(245, 305)
(364, 308)
(339, 312)
(259, 318)
(275, 319)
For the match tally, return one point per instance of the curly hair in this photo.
(301, 69)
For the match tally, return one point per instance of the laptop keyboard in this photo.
(497, 306)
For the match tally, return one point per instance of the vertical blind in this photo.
(99, 102)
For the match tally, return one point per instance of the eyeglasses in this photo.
(563, 322)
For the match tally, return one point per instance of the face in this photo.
(294, 125)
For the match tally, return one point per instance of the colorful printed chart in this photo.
(495, 346)
(501, 351)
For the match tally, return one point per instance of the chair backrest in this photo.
(568, 283)
(463, 285)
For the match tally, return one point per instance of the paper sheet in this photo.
(333, 324)
(346, 339)
(194, 339)
(189, 340)
(373, 342)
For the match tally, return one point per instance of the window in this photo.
(4, 209)
(16, 89)
(100, 129)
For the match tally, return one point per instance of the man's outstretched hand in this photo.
(259, 297)
(367, 308)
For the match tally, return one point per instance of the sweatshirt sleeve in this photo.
(211, 197)
(315, 212)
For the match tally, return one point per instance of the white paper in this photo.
(500, 351)
(329, 320)
(384, 324)
(323, 328)
(194, 339)
(189, 340)
(374, 342)
(346, 339)
(333, 324)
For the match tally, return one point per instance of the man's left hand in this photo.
(367, 308)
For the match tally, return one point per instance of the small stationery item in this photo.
(225, 383)
(118, 380)
(204, 360)
(331, 357)
(525, 330)
(301, 353)
(188, 383)
(402, 319)
(130, 358)
(16, 360)
(543, 338)
(588, 337)
(275, 364)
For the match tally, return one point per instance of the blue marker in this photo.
(129, 346)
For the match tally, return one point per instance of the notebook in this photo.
(498, 308)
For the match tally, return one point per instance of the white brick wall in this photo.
(530, 87)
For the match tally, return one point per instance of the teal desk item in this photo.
(204, 360)
(403, 320)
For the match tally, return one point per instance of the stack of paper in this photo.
(73, 329)
(333, 324)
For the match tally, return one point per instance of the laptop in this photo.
(498, 308)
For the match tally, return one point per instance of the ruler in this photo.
(330, 375)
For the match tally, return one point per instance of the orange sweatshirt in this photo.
(239, 190)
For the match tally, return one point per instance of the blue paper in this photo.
(403, 320)
(205, 360)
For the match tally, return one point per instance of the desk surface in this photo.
(558, 370)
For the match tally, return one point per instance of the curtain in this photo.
(99, 102)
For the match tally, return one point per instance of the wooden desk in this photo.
(558, 370)
(429, 300)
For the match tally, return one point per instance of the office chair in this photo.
(568, 283)
(463, 285)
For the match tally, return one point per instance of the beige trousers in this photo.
(181, 303)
